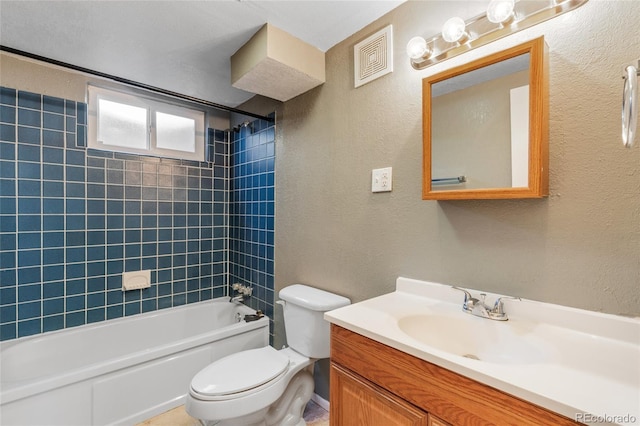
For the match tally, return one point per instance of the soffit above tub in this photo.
(277, 65)
(182, 46)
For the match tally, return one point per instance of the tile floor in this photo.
(314, 415)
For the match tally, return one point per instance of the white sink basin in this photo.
(504, 342)
(570, 361)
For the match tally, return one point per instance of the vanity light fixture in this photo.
(500, 11)
(503, 17)
(417, 48)
(453, 31)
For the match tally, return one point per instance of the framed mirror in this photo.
(485, 127)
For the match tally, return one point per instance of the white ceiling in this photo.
(179, 45)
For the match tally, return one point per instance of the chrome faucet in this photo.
(479, 308)
(243, 291)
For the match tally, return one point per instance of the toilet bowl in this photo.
(265, 386)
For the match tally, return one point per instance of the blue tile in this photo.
(52, 222)
(115, 266)
(95, 175)
(95, 315)
(75, 319)
(28, 170)
(8, 313)
(82, 113)
(29, 223)
(95, 191)
(75, 190)
(52, 239)
(53, 138)
(7, 96)
(52, 155)
(95, 238)
(75, 254)
(53, 189)
(7, 259)
(95, 253)
(95, 206)
(7, 169)
(95, 269)
(7, 134)
(52, 256)
(75, 222)
(70, 108)
(96, 284)
(29, 310)
(29, 258)
(70, 123)
(28, 188)
(75, 174)
(75, 206)
(29, 327)
(52, 172)
(114, 282)
(7, 114)
(28, 153)
(114, 312)
(76, 238)
(75, 303)
(29, 240)
(28, 117)
(52, 323)
(52, 205)
(52, 104)
(8, 331)
(29, 100)
(76, 158)
(52, 289)
(7, 151)
(29, 293)
(95, 300)
(53, 273)
(75, 287)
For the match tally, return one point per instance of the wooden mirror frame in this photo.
(538, 126)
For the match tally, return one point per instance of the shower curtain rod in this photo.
(132, 83)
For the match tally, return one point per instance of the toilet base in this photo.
(286, 411)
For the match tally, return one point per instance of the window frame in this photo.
(95, 94)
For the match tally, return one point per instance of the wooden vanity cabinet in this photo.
(373, 384)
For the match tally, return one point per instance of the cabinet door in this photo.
(358, 402)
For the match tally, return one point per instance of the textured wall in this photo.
(578, 247)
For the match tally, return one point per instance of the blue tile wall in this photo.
(252, 212)
(73, 219)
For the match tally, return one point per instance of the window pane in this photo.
(176, 133)
(122, 125)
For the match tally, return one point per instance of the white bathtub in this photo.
(120, 371)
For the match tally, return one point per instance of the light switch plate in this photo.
(381, 180)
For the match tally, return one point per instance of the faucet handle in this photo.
(467, 295)
(498, 306)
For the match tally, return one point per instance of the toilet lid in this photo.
(240, 371)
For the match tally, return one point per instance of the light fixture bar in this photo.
(481, 31)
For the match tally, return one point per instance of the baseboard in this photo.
(320, 401)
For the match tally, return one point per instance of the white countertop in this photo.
(589, 369)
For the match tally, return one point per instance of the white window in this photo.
(128, 123)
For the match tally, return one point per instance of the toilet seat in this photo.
(239, 373)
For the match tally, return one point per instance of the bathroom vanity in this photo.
(413, 357)
(372, 381)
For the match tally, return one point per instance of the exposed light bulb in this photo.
(500, 11)
(417, 48)
(453, 30)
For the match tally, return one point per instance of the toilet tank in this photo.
(305, 326)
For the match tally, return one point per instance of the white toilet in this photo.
(268, 387)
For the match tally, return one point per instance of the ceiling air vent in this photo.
(373, 56)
